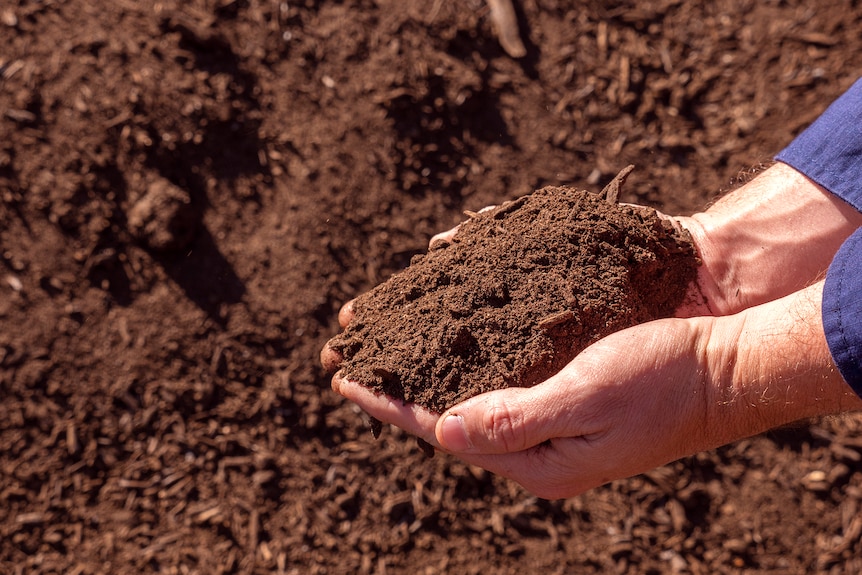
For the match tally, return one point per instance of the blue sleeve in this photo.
(829, 152)
(842, 311)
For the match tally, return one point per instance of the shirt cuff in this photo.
(842, 310)
(829, 151)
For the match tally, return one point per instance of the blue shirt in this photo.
(830, 153)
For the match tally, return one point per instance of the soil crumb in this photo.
(518, 292)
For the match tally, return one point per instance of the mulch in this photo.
(190, 190)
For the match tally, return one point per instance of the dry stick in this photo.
(506, 25)
(611, 192)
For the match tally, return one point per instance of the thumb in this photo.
(503, 421)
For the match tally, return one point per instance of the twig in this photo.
(506, 25)
(611, 192)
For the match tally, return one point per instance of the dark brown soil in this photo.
(519, 291)
(189, 191)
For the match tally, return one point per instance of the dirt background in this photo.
(191, 189)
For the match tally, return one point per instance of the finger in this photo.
(703, 294)
(445, 237)
(542, 470)
(507, 420)
(696, 301)
(330, 359)
(409, 417)
(345, 314)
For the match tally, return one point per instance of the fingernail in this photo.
(453, 437)
(335, 382)
(330, 359)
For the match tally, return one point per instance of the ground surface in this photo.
(191, 189)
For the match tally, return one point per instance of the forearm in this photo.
(771, 366)
(771, 237)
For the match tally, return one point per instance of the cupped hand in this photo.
(769, 238)
(750, 355)
(693, 384)
(599, 419)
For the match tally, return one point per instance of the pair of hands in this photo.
(747, 355)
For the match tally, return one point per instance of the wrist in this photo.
(771, 237)
(769, 366)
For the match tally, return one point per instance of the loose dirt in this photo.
(190, 190)
(519, 291)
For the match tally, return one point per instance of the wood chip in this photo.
(506, 26)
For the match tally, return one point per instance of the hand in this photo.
(608, 415)
(769, 238)
(695, 384)
(597, 420)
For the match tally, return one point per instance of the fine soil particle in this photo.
(162, 409)
(519, 291)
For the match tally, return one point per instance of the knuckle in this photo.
(504, 427)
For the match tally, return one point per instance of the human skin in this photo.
(771, 237)
(745, 355)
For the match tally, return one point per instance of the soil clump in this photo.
(520, 290)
